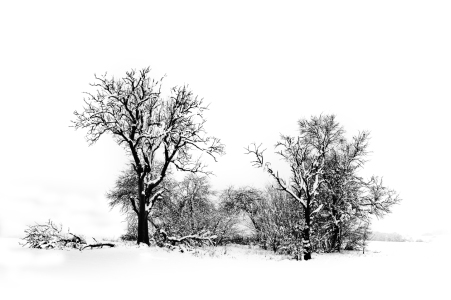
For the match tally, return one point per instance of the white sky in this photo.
(382, 66)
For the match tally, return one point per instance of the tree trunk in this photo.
(193, 225)
(335, 243)
(336, 238)
(306, 234)
(143, 226)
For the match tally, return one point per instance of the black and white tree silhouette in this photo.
(337, 203)
(306, 155)
(156, 132)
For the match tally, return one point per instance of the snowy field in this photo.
(386, 271)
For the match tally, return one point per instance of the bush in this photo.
(274, 218)
(129, 237)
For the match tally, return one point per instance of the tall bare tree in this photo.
(306, 156)
(155, 131)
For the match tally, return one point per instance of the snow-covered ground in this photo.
(385, 271)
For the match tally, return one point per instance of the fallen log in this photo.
(98, 245)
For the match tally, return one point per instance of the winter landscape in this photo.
(387, 270)
(225, 151)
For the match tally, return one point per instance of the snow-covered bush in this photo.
(51, 236)
(275, 219)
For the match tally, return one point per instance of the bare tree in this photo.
(306, 156)
(194, 195)
(349, 200)
(134, 111)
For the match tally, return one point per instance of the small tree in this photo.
(195, 193)
(134, 111)
(187, 209)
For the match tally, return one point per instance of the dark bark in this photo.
(306, 244)
(336, 238)
(143, 226)
(275, 245)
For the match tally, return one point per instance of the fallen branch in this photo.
(99, 245)
(184, 243)
(77, 238)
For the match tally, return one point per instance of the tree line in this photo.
(324, 205)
